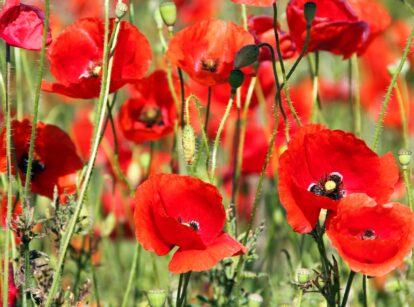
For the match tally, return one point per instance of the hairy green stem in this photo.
(132, 275)
(378, 127)
(408, 188)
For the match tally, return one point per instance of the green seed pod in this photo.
(302, 275)
(189, 144)
(255, 300)
(157, 297)
(309, 10)
(404, 157)
(168, 12)
(120, 10)
(246, 56)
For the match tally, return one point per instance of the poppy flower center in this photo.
(193, 224)
(209, 65)
(151, 116)
(93, 70)
(369, 234)
(329, 186)
(37, 166)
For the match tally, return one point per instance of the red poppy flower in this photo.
(76, 58)
(255, 2)
(55, 160)
(262, 29)
(16, 212)
(322, 166)
(22, 25)
(198, 50)
(190, 11)
(173, 210)
(371, 238)
(150, 115)
(336, 27)
(13, 290)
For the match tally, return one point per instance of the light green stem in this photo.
(356, 105)
(132, 274)
(404, 123)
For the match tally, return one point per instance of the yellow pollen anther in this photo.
(330, 185)
(96, 70)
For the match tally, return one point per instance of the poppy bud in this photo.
(309, 10)
(120, 10)
(246, 56)
(404, 157)
(255, 300)
(302, 276)
(168, 12)
(189, 144)
(157, 297)
(236, 79)
(158, 19)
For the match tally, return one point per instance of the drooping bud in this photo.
(302, 276)
(236, 79)
(120, 10)
(309, 10)
(255, 300)
(157, 297)
(246, 56)
(189, 144)
(404, 157)
(168, 12)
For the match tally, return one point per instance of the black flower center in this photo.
(193, 224)
(37, 166)
(329, 186)
(369, 234)
(151, 116)
(209, 65)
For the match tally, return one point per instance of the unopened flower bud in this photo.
(236, 79)
(168, 12)
(302, 276)
(246, 56)
(309, 10)
(189, 144)
(158, 18)
(157, 297)
(121, 9)
(404, 157)
(255, 300)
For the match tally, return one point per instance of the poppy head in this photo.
(150, 114)
(76, 58)
(206, 50)
(371, 238)
(22, 25)
(322, 166)
(183, 211)
(55, 161)
(336, 27)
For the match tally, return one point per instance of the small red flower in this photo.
(336, 27)
(190, 11)
(55, 160)
(22, 25)
(322, 166)
(173, 210)
(262, 29)
(371, 238)
(151, 113)
(199, 50)
(76, 58)
(255, 2)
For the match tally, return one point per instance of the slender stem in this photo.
(408, 188)
(403, 115)
(5, 289)
(356, 100)
(235, 176)
(378, 128)
(132, 274)
(184, 289)
(282, 66)
(348, 288)
(36, 103)
(364, 291)
(106, 78)
(180, 74)
(179, 290)
(244, 16)
(208, 109)
(315, 88)
(219, 131)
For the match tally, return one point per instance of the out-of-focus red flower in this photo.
(262, 29)
(399, 31)
(371, 238)
(90, 8)
(198, 50)
(151, 113)
(55, 161)
(76, 58)
(322, 166)
(255, 2)
(336, 27)
(16, 212)
(190, 11)
(13, 290)
(22, 25)
(173, 210)
(374, 14)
